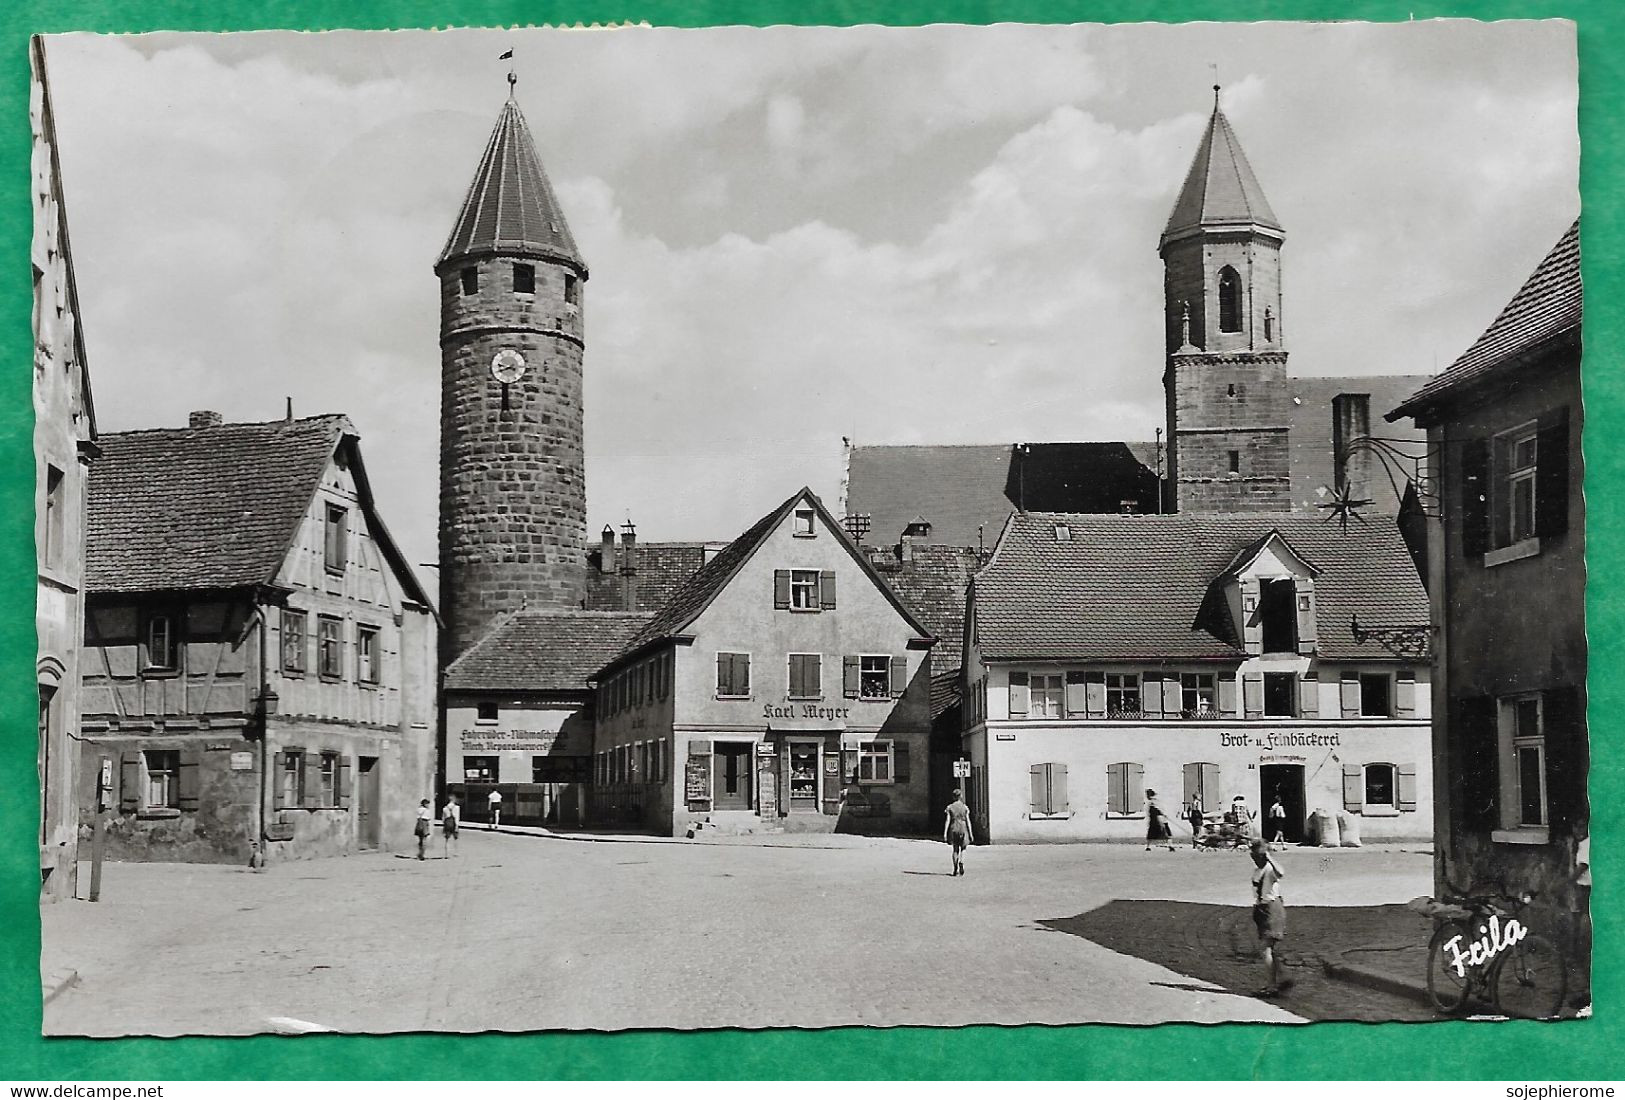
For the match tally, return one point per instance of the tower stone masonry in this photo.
(1225, 381)
(513, 500)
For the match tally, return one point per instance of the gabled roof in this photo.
(1545, 311)
(1249, 554)
(1136, 587)
(510, 206)
(696, 594)
(553, 651)
(185, 509)
(1220, 189)
(966, 492)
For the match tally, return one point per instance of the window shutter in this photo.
(1407, 787)
(187, 782)
(1038, 780)
(1567, 757)
(278, 762)
(129, 781)
(899, 676)
(1075, 695)
(1094, 694)
(1151, 694)
(1020, 695)
(1172, 697)
(1552, 475)
(725, 671)
(1252, 627)
(899, 761)
(1134, 791)
(1477, 745)
(1227, 695)
(1193, 782)
(1057, 789)
(344, 782)
(1252, 694)
(826, 590)
(1304, 593)
(1475, 493)
(1405, 694)
(781, 589)
(742, 673)
(1116, 785)
(1353, 788)
(812, 673)
(313, 780)
(1309, 695)
(1210, 787)
(798, 675)
(849, 676)
(1349, 690)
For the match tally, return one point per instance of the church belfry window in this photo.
(524, 279)
(572, 290)
(1269, 324)
(1229, 300)
(471, 281)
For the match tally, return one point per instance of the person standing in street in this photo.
(1269, 916)
(1244, 816)
(1157, 829)
(1276, 820)
(421, 828)
(450, 818)
(494, 802)
(1193, 814)
(956, 829)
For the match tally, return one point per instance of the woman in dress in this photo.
(1157, 829)
(956, 829)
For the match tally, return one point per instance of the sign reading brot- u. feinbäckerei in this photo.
(1280, 739)
(513, 741)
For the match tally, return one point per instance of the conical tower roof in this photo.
(510, 207)
(1220, 190)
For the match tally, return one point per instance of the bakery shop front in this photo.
(784, 688)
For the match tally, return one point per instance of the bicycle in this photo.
(1481, 947)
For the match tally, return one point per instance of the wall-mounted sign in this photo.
(1004, 737)
(482, 740)
(242, 761)
(803, 716)
(961, 769)
(1279, 739)
(697, 779)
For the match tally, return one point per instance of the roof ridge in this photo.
(280, 422)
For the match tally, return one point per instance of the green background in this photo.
(1453, 1050)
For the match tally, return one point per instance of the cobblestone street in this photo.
(526, 933)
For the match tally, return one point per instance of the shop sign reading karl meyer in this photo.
(805, 716)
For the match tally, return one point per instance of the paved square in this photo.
(524, 933)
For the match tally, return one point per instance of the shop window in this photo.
(163, 779)
(161, 646)
(1278, 615)
(292, 779)
(1379, 786)
(874, 677)
(804, 527)
(1281, 694)
(295, 628)
(1122, 695)
(1515, 458)
(1229, 300)
(330, 778)
(366, 654)
(335, 551)
(524, 278)
(733, 675)
(1125, 789)
(1196, 695)
(1376, 695)
(1047, 697)
(480, 769)
(330, 647)
(487, 712)
(806, 676)
(875, 762)
(471, 281)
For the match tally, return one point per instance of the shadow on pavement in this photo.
(1218, 944)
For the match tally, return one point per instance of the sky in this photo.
(795, 236)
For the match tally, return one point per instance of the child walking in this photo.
(956, 829)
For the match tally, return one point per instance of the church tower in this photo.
(1226, 372)
(513, 498)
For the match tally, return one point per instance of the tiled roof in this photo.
(543, 651)
(662, 568)
(967, 492)
(1142, 587)
(510, 206)
(1220, 189)
(215, 507)
(1547, 306)
(932, 585)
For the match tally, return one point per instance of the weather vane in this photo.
(512, 78)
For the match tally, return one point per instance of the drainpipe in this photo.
(264, 704)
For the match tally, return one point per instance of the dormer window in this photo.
(1229, 300)
(524, 278)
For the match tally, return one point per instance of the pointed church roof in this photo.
(1220, 189)
(510, 206)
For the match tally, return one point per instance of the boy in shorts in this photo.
(1269, 915)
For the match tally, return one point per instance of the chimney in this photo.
(1351, 422)
(629, 567)
(606, 550)
(905, 548)
(205, 418)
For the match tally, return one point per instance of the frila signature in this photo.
(1495, 939)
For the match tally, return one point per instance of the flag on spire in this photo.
(506, 56)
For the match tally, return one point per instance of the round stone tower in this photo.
(513, 498)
